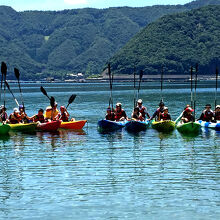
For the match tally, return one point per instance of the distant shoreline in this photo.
(127, 78)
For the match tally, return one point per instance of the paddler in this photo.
(217, 113)
(187, 115)
(39, 117)
(158, 111)
(51, 112)
(64, 115)
(142, 109)
(165, 116)
(3, 114)
(136, 115)
(207, 115)
(110, 115)
(120, 114)
(15, 118)
(23, 115)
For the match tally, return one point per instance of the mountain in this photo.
(176, 42)
(54, 43)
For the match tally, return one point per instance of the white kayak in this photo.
(213, 125)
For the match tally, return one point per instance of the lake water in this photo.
(88, 175)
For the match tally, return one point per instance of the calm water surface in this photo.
(88, 175)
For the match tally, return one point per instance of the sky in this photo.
(22, 5)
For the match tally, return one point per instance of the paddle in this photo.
(161, 84)
(191, 71)
(134, 86)
(140, 79)
(17, 75)
(52, 101)
(216, 86)
(6, 83)
(3, 71)
(196, 76)
(44, 92)
(110, 83)
(71, 99)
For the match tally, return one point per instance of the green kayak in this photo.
(163, 126)
(28, 128)
(4, 129)
(188, 128)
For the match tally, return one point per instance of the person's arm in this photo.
(201, 117)
(154, 115)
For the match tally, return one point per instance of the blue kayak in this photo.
(137, 126)
(212, 125)
(109, 126)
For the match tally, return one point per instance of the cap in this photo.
(118, 104)
(208, 105)
(2, 107)
(21, 106)
(16, 110)
(217, 106)
(55, 103)
(108, 109)
(165, 108)
(62, 107)
(139, 101)
(189, 109)
(161, 104)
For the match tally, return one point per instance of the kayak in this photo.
(188, 128)
(164, 126)
(137, 126)
(29, 127)
(76, 125)
(212, 125)
(109, 126)
(4, 129)
(49, 126)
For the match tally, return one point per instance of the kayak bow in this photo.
(76, 125)
(163, 126)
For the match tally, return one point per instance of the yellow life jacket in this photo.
(51, 112)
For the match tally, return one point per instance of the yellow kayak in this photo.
(29, 127)
(164, 126)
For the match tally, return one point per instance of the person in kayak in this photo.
(165, 116)
(158, 111)
(51, 113)
(64, 115)
(15, 118)
(110, 115)
(207, 115)
(142, 109)
(217, 113)
(136, 115)
(3, 114)
(39, 117)
(120, 114)
(23, 115)
(187, 115)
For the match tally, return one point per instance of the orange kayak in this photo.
(76, 125)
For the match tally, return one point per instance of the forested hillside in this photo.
(175, 42)
(45, 43)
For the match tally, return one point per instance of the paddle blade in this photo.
(72, 98)
(141, 75)
(17, 74)
(197, 67)
(52, 101)
(43, 91)
(4, 68)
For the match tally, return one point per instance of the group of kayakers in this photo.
(19, 115)
(161, 114)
